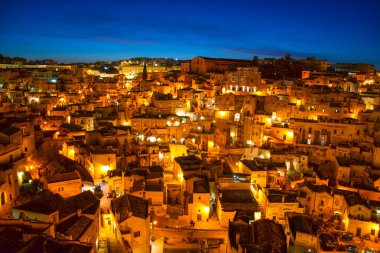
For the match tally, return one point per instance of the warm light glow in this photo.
(274, 115)
(206, 209)
(105, 168)
(257, 215)
(180, 177)
(151, 139)
(19, 176)
(180, 113)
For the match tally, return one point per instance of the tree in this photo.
(98, 192)
(144, 73)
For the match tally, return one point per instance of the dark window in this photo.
(2, 198)
(358, 231)
(136, 234)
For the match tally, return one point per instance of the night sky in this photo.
(84, 30)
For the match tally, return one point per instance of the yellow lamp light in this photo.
(257, 215)
(105, 168)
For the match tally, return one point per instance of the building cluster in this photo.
(205, 155)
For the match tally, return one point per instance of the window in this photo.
(309, 139)
(2, 198)
(358, 231)
(9, 179)
(136, 234)
(372, 231)
(199, 198)
(322, 203)
(358, 132)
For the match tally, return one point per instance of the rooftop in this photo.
(60, 177)
(130, 204)
(75, 226)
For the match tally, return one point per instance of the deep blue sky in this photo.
(84, 30)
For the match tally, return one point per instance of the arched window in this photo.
(2, 198)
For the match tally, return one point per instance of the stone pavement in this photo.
(106, 233)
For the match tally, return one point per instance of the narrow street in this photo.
(106, 234)
(105, 229)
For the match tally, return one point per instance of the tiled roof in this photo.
(355, 199)
(130, 204)
(299, 222)
(48, 245)
(10, 239)
(10, 130)
(60, 177)
(48, 203)
(237, 196)
(74, 226)
(260, 236)
(201, 186)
